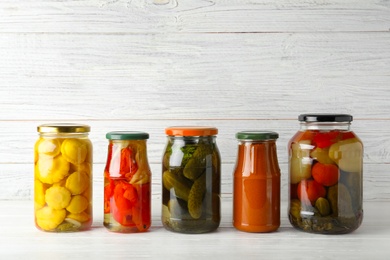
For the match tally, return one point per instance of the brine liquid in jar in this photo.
(325, 175)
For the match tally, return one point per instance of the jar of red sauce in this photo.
(256, 188)
(325, 175)
(127, 183)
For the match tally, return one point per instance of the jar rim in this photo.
(257, 135)
(127, 135)
(325, 117)
(63, 128)
(191, 131)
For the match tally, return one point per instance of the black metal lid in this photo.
(325, 118)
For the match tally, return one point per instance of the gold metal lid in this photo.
(63, 128)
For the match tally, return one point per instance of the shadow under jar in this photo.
(191, 178)
(325, 175)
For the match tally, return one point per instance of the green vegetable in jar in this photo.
(340, 201)
(323, 207)
(180, 185)
(195, 197)
(198, 162)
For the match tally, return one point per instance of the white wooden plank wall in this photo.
(234, 64)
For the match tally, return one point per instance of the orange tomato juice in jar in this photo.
(127, 183)
(63, 178)
(256, 188)
(325, 175)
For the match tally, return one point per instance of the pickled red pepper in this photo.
(127, 184)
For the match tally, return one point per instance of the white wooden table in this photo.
(19, 239)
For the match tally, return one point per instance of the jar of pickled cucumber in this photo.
(127, 183)
(63, 178)
(325, 175)
(191, 180)
(256, 186)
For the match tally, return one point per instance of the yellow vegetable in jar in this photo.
(300, 161)
(39, 193)
(77, 182)
(84, 167)
(49, 147)
(74, 151)
(48, 218)
(347, 154)
(57, 197)
(78, 204)
(50, 170)
(80, 217)
(321, 155)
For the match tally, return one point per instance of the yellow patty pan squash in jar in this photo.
(63, 178)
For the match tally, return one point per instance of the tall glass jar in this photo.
(63, 178)
(325, 175)
(256, 187)
(191, 178)
(127, 183)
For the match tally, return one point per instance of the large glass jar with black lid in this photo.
(325, 175)
(191, 178)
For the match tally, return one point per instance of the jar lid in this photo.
(257, 135)
(191, 131)
(127, 135)
(63, 128)
(325, 118)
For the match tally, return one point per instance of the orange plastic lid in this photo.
(191, 130)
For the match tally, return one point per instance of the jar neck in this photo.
(257, 158)
(63, 135)
(193, 139)
(327, 126)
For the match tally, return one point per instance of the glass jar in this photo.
(63, 178)
(191, 178)
(256, 187)
(127, 183)
(325, 175)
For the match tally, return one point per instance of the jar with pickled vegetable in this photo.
(325, 175)
(127, 183)
(63, 178)
(191, 180)
(256, 187)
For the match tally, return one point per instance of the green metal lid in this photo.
(257, 135)
(127, 135)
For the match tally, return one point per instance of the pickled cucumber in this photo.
(340, 201)
(195, 197)
(180, 185)
(323, 207)
(198, 162)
